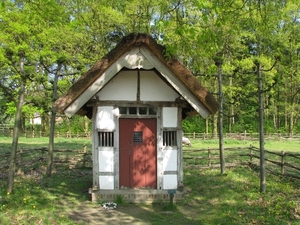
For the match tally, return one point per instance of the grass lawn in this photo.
(59, 143)
(210, 198)
(77, 144)
(290, 146)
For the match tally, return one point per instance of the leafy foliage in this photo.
(240, 34)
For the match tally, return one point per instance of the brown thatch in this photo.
(128, 42)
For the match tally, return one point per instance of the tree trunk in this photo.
(291, 126)
(52, 124)
(215, 118)
(215, 126)
(12, 162)
(44, 124)
(261, 130)
(221, 140)
(231, 118)
(51, 144)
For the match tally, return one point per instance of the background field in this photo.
(210, 197)
(77, 143)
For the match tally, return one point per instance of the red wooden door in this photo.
(137, 153)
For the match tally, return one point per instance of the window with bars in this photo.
(170, 138)
(106, 139)
(138, 137)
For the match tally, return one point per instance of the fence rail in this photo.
(6, 131)
(31, 159)
(280, 163)
(38, 134)
(245, 136)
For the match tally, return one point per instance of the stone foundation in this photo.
(135, 195)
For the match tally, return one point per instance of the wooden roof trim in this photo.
(124, 45)
(193, 84)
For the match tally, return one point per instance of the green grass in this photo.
(59, 143)
(290, 146)
(210, 198)
(77, 143)
(38, 198)
(235, 198)
(236, 151)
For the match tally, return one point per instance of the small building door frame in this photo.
(138, 153)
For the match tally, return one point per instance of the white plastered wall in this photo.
(158, 91)
(105, 121)
(123, 87)
(170, 153)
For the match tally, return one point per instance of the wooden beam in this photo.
(95, 103)
(176, 83)
(99, 83)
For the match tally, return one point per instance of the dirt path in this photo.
(88, 213)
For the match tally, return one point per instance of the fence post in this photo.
(84, 155)
(282, 162)
(208, 158)
(194, 135)
(19, 171)
(43, 149)
(250, 153)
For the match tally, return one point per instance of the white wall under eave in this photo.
(153, 88)
(105, 118)
(170, 117)
(122, 87)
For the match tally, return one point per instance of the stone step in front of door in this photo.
(135, 196)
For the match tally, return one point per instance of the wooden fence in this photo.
(7, 131)
(280, 163)
(28, 160)
(245, 136)
(39, 134)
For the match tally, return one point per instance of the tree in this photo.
(18, 56)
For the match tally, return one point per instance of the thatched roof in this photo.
(128, 42)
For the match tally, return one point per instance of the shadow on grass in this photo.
(210, 199)
(70, 189)
(235, 198)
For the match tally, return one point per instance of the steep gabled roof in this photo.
(129, 42)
